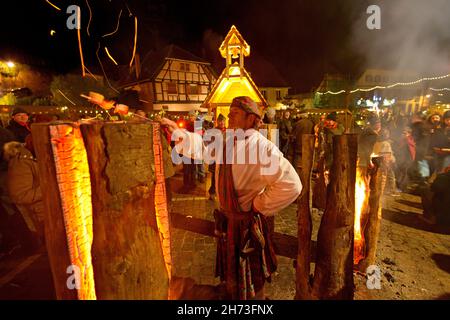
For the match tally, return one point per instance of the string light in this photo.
(441, 89)
(389, 86)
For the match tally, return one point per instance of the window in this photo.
(377, 79)
(369, 78)
(192, 89)
(187, 67)
(264, 93)
(278, 94)
(172, 88)
(181, 66)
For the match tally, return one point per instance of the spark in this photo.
(53, 5)
(129, 12)
(66, 97)
(117, 27)
(90, 18)
(91, 74)
(103, 70)
(109, 55)
(81, 49)
(135, 40)
(52, 32)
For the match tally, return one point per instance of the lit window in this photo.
(377, 79)
(278, 94)
(181, 66)
(369, 78)
(187, 67)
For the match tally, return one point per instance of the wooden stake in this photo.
(304, 226)
(334, 264)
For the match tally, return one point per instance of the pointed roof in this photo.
(228, 87)
(154, 61)
(234, 38)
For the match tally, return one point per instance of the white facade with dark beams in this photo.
(173, 79)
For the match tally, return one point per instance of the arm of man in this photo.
(282, 188)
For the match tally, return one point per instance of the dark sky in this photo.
(302, 38)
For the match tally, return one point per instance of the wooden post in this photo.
(55, 234)
(373, 219)
(334, 263)
(127, 253)
(304, 225)
(98, 182)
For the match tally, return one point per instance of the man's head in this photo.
(287, 115)
(331, 119)
(447, 119)
(192, 115)
(244, 114)
(435, 119)
(375, 123)
(220, 121)
(20, 116)
(417, 117)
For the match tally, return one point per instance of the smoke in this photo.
(414, 37)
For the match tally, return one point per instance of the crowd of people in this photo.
(414, 151)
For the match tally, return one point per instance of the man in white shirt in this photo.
(253, 181)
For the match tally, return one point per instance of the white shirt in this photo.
(268, 181)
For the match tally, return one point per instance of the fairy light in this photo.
(53, 5)
(392, 85)
(135, 40)
(117, 26)
(109, 55)
(440, 89)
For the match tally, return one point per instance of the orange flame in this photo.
(72, 173)
(361, 199)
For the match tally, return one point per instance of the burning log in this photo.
(128, 252)
(334, 267)
(68, 221)
(372, 220)
(304, 230)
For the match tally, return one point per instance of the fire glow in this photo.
(73, 177)
(361, 198)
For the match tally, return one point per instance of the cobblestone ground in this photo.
(194, 254)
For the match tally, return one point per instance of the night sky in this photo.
(303, 39)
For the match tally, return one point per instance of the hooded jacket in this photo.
(23, 183)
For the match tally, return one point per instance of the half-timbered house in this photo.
(172, 79)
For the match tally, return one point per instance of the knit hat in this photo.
(18, 110)
(247, 104)
(332, 116)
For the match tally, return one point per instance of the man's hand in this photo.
(171, 125)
